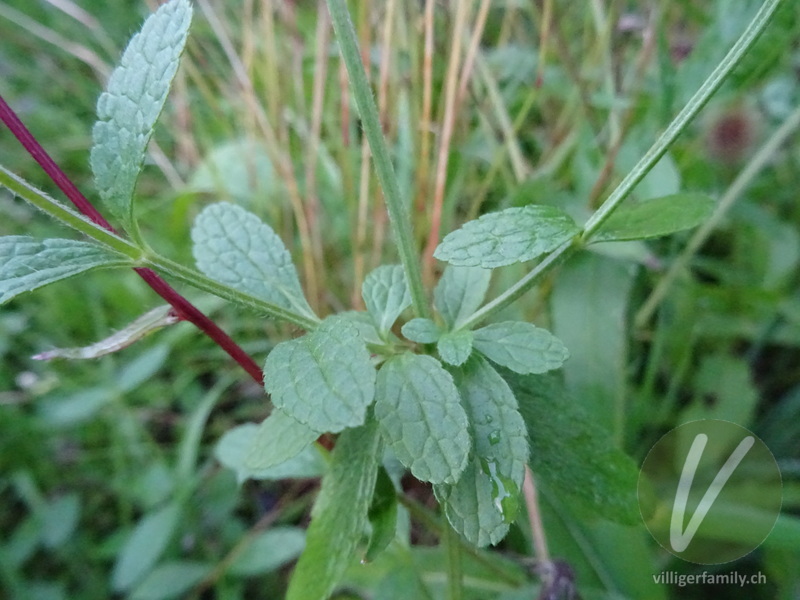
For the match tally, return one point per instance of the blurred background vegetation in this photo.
(510, 103)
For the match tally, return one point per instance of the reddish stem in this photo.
(183, 308)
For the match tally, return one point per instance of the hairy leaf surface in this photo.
(422, 331)
(460, 292)
(483, 503)
(339, 517)
(421, 417)
(520, 346)
(27, 264)
(325, 379)
(656, 217)
(512, 235)
(455, 347)
(234, 448)
(386, 295)
(279, 437)
(234, 247)
(129, 108)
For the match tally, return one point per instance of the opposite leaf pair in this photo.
(456, 427)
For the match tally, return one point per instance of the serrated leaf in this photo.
(422, 331)
(171, 580)
(520, 346)
(151, 321)
(339, 517)
(572, 453)
(386, 295)
(268, 551)
(656, 217)
(365, 325)
(455, 347)
(325, 379)
(129, 108)
(512, 235)
(382, 516)
(233, 451)
(234, 247)
(27, 264)
(485, 500)
(460, 292)
(144, 546)
(277, 439)
(421, 417)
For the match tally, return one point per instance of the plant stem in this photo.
(183, 308)
(201, 282)
(66, 215)
(555, 258)
(647, 162)
(397, 209)
(676, 127)
(739, 185)
(455, 577)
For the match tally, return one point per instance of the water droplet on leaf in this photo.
(505, 493)
(494, 437)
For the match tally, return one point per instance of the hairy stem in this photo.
(183, 308)
(647, 162)
(398, 211)
(739, 185)
(679, 123)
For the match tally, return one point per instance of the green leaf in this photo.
(520, 346)
(234, 448)
(129, 108)
(269, 551)
(589, 314)
(278, 438)
(386, 295)
(656, 217)
(422, 331)
(482, 504)
(144, 546)
(455, 347)
(512, 235)
(233, 246)
(365, 324)
(339, 517)
(27, 264)
(460, 292)
(421, 417)
(325, 379)
(572, 453)
(382, 516)
(151, 321)
(171, 580)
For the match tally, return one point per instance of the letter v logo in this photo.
(679, 538)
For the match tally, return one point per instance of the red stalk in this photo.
(183, 308)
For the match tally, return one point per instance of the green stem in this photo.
(201, 282)
(455, 576)
(676, 127)
(397, 209)
(501, 567)
(66, 215)
(641, 169)
(555, 258)
(739, 185)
